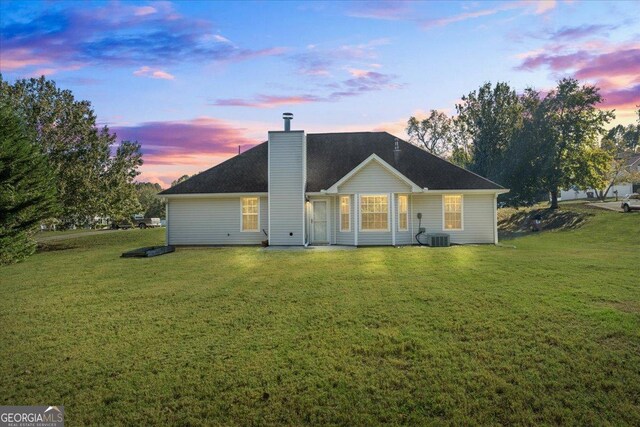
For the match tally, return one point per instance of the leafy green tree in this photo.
(80, 154)
(491, 115)
(120, 196)
(462, 145)
(27, 188)
(434, 133)
(152, 206)
(570, 154)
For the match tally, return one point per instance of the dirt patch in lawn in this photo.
(627, 306)
(517, 222)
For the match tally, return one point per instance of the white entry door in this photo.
(319, 222)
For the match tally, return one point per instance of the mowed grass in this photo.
(547, 332)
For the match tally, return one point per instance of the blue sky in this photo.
(193, 80)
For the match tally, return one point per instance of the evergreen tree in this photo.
(27, 188)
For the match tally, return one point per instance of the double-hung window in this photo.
(403, 212)
(374, 213)
(452, 204)
(345, 213)
(250, 213)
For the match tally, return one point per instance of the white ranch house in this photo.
(360, 188)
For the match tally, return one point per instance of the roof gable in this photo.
(372, 159)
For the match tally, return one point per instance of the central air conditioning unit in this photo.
(438, 240)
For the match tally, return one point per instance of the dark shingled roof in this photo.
(330, 156)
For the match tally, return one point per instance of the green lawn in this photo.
(547, 332)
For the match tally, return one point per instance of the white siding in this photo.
(371, 179)
(374, 178)
(477, 211)
(212, 221)
(287, 151)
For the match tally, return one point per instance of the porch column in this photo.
(356, 203)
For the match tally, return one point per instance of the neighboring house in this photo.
(360, 188)
(624, 188)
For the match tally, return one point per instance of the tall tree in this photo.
(492, 115)
(434, 133)
(27, 188)
(524, 154)
(80, 154)
(121, 199)
(571, 155)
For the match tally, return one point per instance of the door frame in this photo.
(327, 202)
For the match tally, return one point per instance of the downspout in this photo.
(166, 214)
(307, 223)
(495, 219)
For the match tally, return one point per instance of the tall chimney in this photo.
(287, 121)
(287, 174)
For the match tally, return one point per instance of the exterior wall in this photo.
(374, 178)
(478, 217)
(287, 182)
(212, 221)
(573, 195)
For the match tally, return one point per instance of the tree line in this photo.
(533, 143)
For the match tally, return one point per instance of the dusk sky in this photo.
(193, 80)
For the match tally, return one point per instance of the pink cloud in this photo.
(153, 73)
(116, 33)
(614, 68)
(13, 59)
(536, 7)
(362, 82)
(266, 101)
(622, 99)
(174, 148)
(193, 142)
(144, 11)
(621, 62)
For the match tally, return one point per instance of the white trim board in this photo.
(211, 195)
